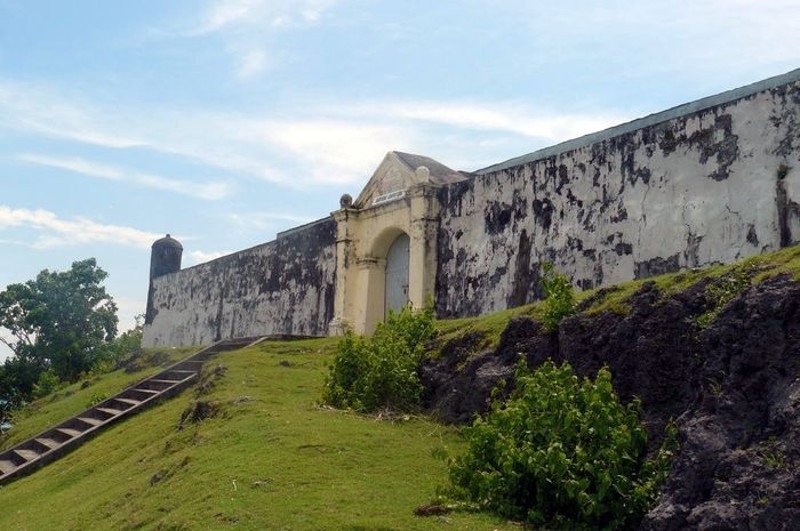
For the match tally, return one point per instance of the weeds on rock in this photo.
(722, 291)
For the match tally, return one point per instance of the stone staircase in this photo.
(65, 437)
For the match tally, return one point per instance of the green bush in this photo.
(380, 372)
(47, 383)
(560, 453)
(559, 300)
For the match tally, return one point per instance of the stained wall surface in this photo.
(707, 182)
(285, 286)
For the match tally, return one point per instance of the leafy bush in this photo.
(47, 383)
(560, 453)
(368, 374)
(559, 300)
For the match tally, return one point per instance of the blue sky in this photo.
(225, 121)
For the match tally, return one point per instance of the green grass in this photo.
(271, 459)
(71, 400)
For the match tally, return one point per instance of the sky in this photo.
(223, 122)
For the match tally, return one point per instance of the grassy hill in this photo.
(256, 453)
(249, 447)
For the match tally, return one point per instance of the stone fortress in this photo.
(710, 181)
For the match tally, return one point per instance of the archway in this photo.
(396, 280)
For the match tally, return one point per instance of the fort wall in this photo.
(708, 182)
(711, 181)
(285, 286)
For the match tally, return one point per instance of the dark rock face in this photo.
(733, 389)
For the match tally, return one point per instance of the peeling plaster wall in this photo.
(285, 286)
(711, 181)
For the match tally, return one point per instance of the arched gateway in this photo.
(385, 241)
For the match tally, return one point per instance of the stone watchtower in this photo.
(165, 258)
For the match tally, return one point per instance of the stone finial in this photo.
(423, 174)
(346, 201)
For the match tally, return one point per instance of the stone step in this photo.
(35, 446)
(157, 385)
(176, 374)
(110, 411)
(66, 436)
(69, 432)
(13, 458)
(91, 421)
(191, 365)
(27, 455)
(55, 435)
(7, 466)
(139, 394)
(125, 403)
(97, 414)
(50, 443)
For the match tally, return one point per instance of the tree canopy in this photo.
(60, 323)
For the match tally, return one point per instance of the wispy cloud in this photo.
(239, 15)
(202, 190)
(488, 116)
(58, 232)
(248, 27)
(329, 145)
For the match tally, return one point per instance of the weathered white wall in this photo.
(684, 188)
(282, 287)
(710, 181)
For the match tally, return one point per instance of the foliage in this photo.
(368, 374)
(46, 384)
(560, 453)
(60, 321)
(122, 350)
(97, 398)
(559, 300)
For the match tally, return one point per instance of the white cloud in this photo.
(251, 63)
(57, 232)
(489, 116)
(202, 190)
(74, 164)
(199, 257)
(247, 18)
(127, 310)
(224, 13)
(340, 146)
(335, 151)
(247, 28)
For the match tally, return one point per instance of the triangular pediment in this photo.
(398, 172)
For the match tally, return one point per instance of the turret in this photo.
(165, 258)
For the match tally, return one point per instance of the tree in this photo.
(60, 321)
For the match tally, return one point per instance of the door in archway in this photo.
(396, 296)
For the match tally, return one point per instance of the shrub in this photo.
(559, 300)
(368, 374)
(47, 383)
(560, 453)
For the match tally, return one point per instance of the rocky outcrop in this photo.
(733, 388)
